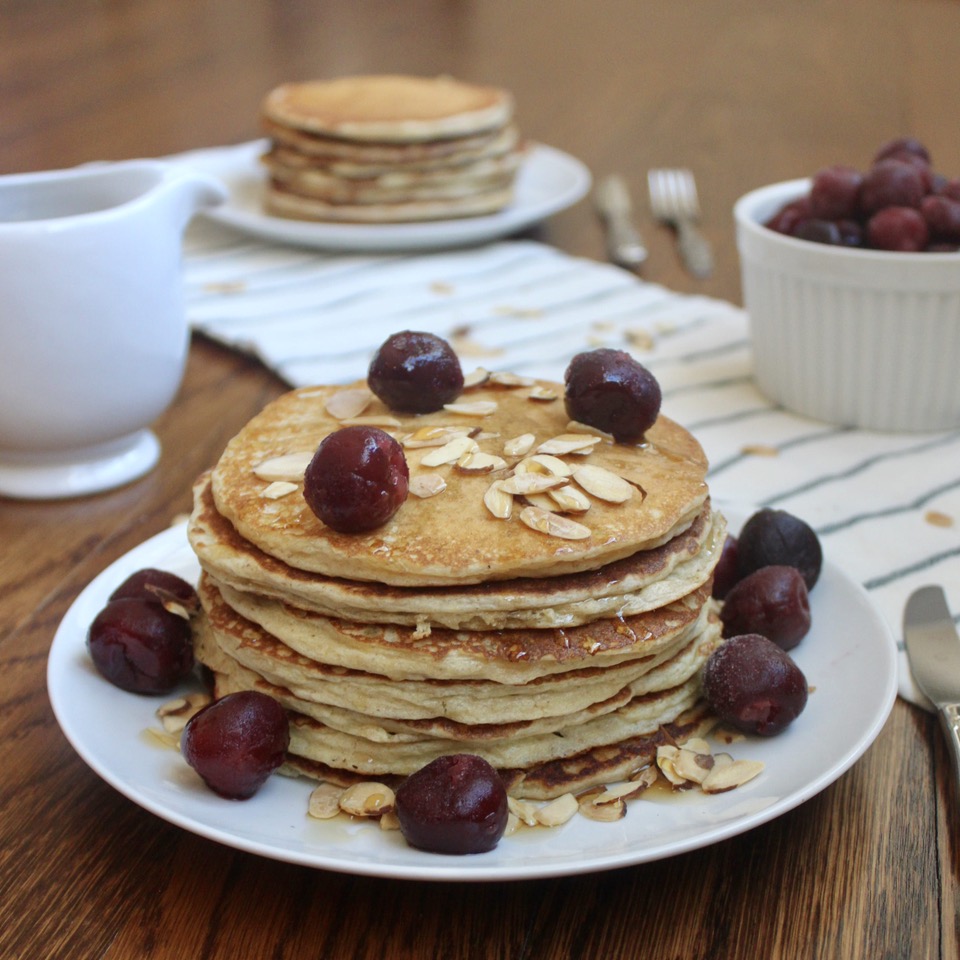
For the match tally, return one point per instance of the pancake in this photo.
(545, 781)
(640, 582)
(389, 149)
(224, 635)
(282, 201)
(452, 538)
(542, 599)
(389, 108)
(349, 159)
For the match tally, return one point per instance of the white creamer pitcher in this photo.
(93, 328)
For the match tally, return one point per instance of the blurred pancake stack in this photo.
(541, 599)
(389, 149)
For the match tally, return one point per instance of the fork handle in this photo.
(694, 249)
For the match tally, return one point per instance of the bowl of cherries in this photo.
(851, 280)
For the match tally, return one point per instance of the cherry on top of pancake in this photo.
(452, 537)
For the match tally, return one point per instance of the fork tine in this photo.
(673, 199)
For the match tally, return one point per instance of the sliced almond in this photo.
(569, 499)
(497, 501)
(605, 812)
(541, 500)
(324, 802)
(368, 799)
(646, 777)
(450, 452)
(175, 714)
(553, 524)
(514, 823)
(603, 484)
(288, 466)
(278, 489)
(435, 436)
(519, 446)
(725, 777)
(666, 761)
(693, 766)
(620, 791)
(345, 404)
(511, 380)
(389, 820)
(544, 463)
(378, 420)
(558, 811)
(543, 394)
(424, 485)
(477, 462)
(475, 378)
(478, 408)
(523, 810)
(577, 443)
(525, 483)
(575, 426)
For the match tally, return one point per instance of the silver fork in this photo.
(673, 199)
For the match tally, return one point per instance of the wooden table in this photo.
(745, 94)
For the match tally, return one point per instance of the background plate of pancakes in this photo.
(547, 182)
(849, 659)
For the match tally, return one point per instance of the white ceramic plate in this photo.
(548, 181)
(849, 658)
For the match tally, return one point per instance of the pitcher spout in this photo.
(190, 191)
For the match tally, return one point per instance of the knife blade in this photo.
(933, 649)
(625, 246)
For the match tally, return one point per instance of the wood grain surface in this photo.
(744, 94)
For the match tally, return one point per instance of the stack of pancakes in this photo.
(562, 647)
(387, 149)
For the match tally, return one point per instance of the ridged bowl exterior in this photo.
(861, 338)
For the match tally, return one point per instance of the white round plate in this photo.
(849, 658)
(548, 181)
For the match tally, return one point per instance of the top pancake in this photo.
(388, 108)
(452, 538)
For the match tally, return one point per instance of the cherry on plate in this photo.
(161, 585)
(771, 537)
(140, 646)
(753, 685)
(771, 601)
(455, 804)
(237, 742)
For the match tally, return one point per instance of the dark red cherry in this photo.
(772, 537)
(771, 601)
(235, 743)
(160, 585)
(455, 804)
(357, 479)
(140, 646)
(610, 390)
(752, 684)
(415, 372)
(726, 573)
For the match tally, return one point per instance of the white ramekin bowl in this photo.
(863, 338)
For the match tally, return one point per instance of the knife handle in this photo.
(624, 243)
(950, 721)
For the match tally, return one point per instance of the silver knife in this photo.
(624, 243)
(933, 649)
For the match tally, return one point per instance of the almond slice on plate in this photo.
(288, 466)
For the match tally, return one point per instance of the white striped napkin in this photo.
(886, 506)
